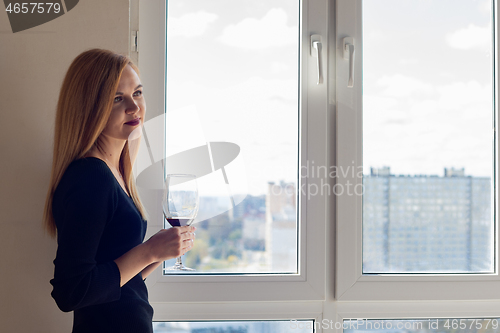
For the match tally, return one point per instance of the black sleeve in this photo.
(82, 208)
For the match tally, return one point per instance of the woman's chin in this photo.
(136, 133)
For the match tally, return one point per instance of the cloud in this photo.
(251, 33)
(459, 94)
(278, 67)
(471, 37)
(258, 114)
(450, 127)
(190, 25)
(403, 86)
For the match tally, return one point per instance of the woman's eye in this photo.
(117, 99)
(138, 93)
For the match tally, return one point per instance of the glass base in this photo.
(178, 267)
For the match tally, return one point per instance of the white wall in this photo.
(32, 67)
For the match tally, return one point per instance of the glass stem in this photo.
(179, 262)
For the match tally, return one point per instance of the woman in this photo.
(93, 205)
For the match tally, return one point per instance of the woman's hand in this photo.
(171, 243)
(165, 244)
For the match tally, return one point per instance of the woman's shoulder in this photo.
(87, 164)
(88, 167)
(86, 183)
(88, 172)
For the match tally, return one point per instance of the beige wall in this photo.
(32, 66)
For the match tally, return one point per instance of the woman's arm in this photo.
(148, 270)
(85, 201)
(165, 244)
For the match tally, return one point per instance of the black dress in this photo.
(97, 222)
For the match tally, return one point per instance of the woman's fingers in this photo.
(187, 233)
(186, 229)
(186, 238)
(172, 242)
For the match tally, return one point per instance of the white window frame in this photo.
(309, 284)
(330, 285)
(351, 283)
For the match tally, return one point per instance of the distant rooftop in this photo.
(386, 172)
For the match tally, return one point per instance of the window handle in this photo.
(348, 43)
(316, 52)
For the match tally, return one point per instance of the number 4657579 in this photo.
(33, 7)
(471, 324)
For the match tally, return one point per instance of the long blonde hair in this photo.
(83, 109)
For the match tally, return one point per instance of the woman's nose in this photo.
(132, 107)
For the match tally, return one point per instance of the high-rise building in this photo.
(426, 223)
(281, 227)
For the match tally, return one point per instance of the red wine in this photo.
(178, 222)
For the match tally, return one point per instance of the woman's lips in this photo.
(134, 122)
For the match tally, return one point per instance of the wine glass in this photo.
(180, 205)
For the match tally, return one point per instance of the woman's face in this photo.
(129, 106)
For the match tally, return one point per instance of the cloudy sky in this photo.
(426, 83)
(235, 63)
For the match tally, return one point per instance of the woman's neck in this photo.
(109, 149)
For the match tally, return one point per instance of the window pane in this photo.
(232, 117)
(427, 136)
(275, 326)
